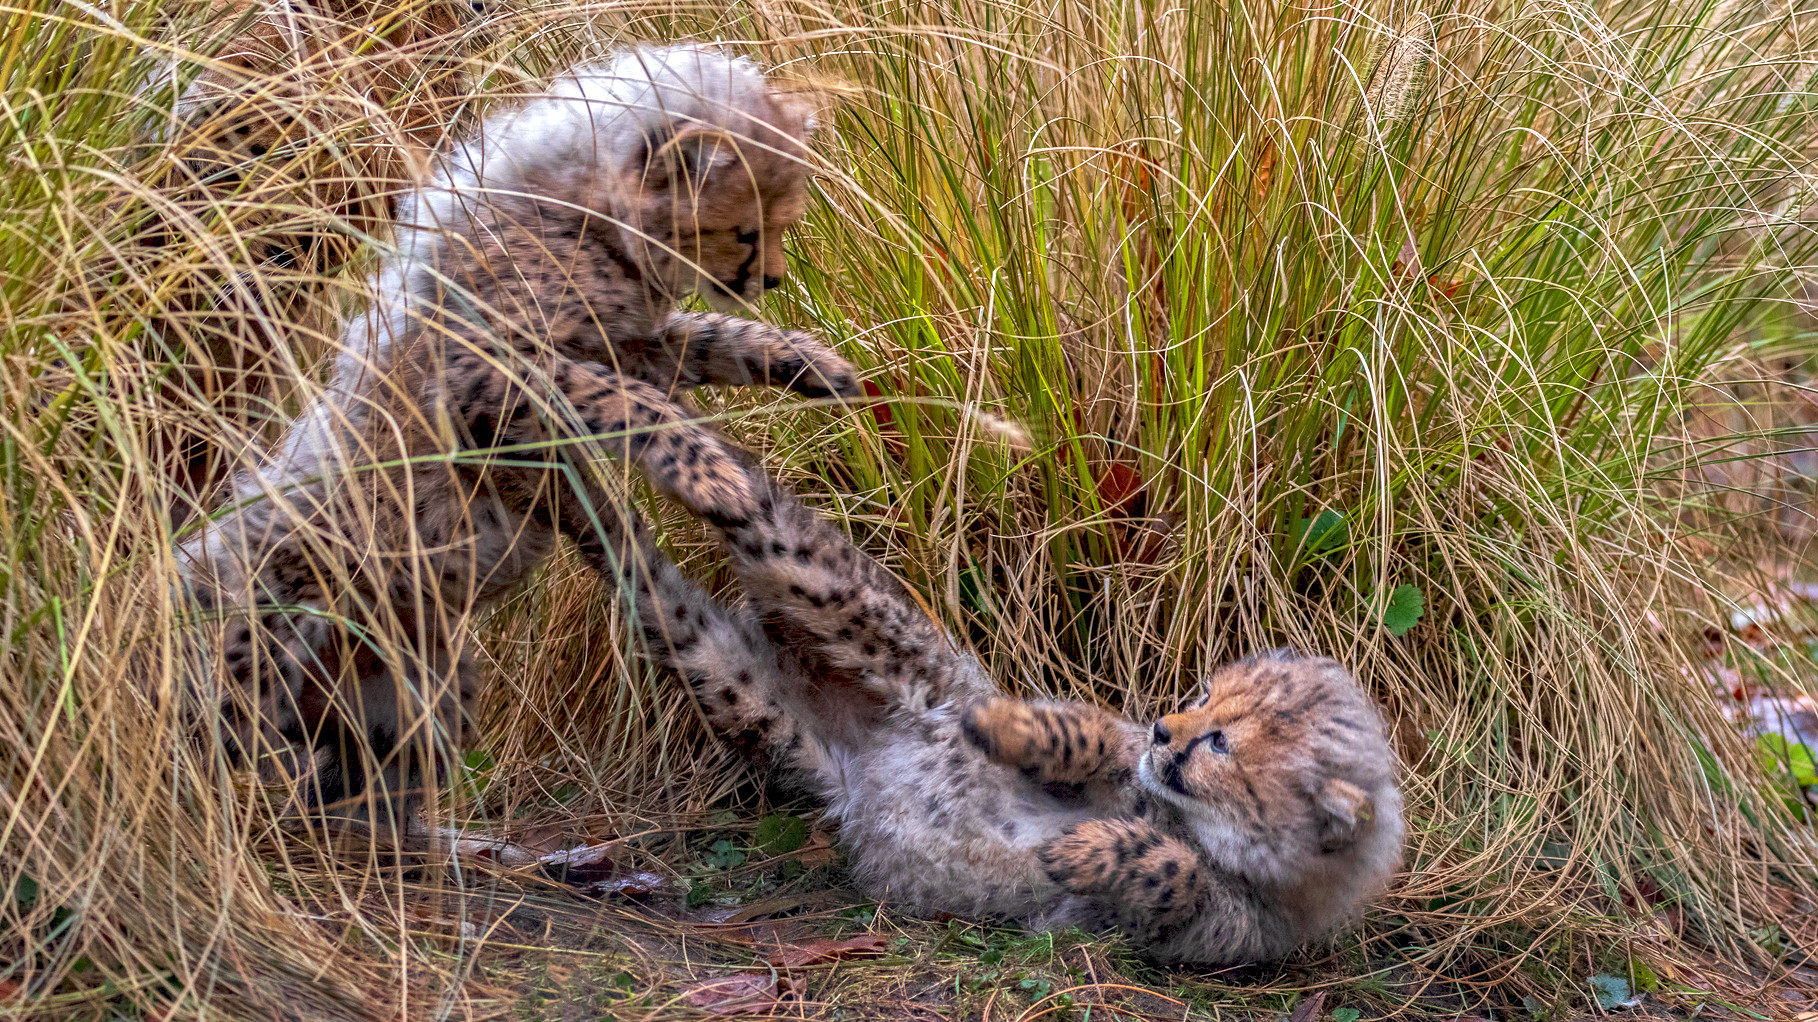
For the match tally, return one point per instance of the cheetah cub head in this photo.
(705, 161)
(1284, 772)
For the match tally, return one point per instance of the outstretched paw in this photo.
(1065, 743)
(1130, 863)
(814, 370)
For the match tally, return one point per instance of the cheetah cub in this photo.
(1256, 819)
(526, 325)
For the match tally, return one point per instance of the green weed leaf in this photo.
(476, 772)
(780, 835)
(1613, 992)
(1781, 757)
(1320, 534)
(1403, 610)
(723, 854)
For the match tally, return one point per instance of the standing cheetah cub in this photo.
(526, 325)
(1232, 831)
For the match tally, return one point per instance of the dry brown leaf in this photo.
(1119, 485)
(1308, 1009)
(542, 840)
(737, 994)
(817, 952)
(818, 851)
(879, 410)
(781, 904)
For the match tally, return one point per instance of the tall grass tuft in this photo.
(1365, 328)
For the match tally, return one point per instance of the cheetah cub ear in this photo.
(803, 100)
(1345, 813)
(692, 154)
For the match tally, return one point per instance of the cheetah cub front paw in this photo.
(1128, 863)
(1064, 743)
(814, 370)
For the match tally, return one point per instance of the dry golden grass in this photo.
(1288, 307)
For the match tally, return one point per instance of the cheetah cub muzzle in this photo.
(1257, 819)
(525, 327)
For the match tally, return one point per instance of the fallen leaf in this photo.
(820, 951)
(543, 839)
(584, 864)
(733, 995)
(9, 989)
(636, 885)
(1118, 487)
(818, 851)
(1308, 1009)
(503, 853)
(879, 411)
(780, 905)
(714, 915)
(1448, 286)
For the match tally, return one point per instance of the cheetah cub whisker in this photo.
(1255, 820)
(527, 323)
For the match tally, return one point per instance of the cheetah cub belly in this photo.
(526, 326)
(1232, 831)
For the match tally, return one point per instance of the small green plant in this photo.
(1402, 610)
(725, 854)
(779, 835)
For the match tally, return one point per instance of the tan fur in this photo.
(529, 319)
(1232, 832)
(288, 147)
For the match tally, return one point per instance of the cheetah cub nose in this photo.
(771, 283)
(1162, 734)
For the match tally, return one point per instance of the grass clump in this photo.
(1386, 332)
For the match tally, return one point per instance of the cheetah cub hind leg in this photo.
(744, 688)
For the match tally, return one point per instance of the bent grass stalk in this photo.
(1171, 367)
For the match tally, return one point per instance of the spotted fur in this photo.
(952, 798)
(525, 328)
(1058, 743)
(289, 129)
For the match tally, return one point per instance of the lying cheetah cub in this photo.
(526, 325)
(1232, 831)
